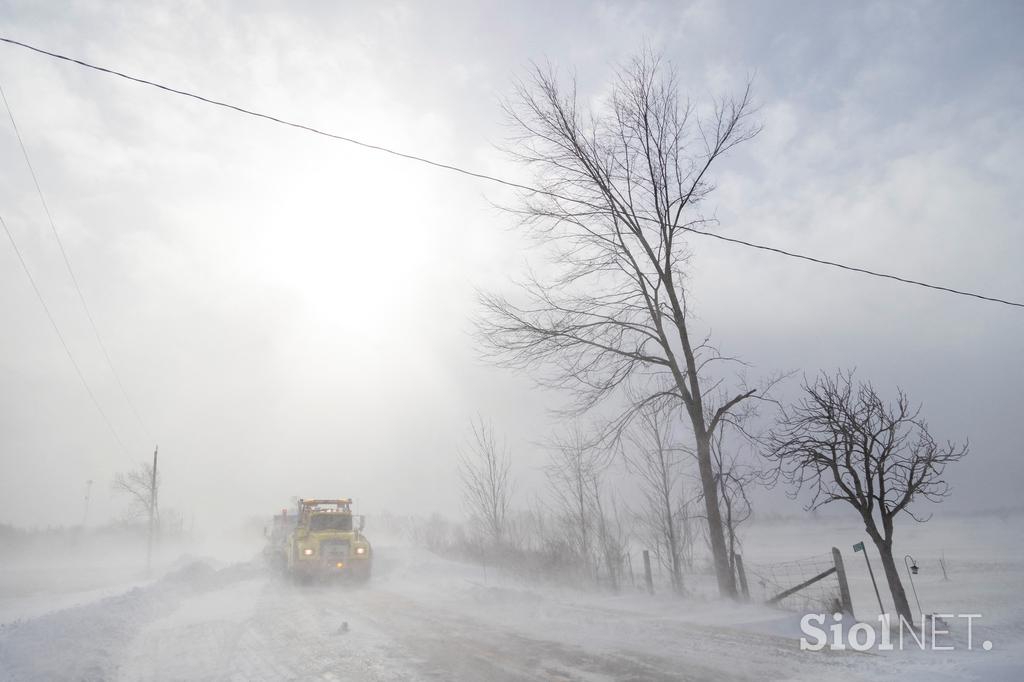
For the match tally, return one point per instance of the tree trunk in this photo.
(672, 536)
(728, 524)
(677, 569)
(892, 576)
(726, 579)
(732, 538)
(609, 562)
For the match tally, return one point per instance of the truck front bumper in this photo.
(356, 567)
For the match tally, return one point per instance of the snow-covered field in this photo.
(425, 617)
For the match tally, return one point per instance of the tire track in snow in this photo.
(451, 646)
(283, 634)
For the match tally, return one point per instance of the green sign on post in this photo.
(859, 547)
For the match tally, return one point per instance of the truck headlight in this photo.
(360, 550)
(308, 552)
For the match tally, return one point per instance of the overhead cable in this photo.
(502, 181)
(60, 336)
(67, 265)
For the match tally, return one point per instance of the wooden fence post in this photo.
(743, 577)
(844, 587)
(647, 572)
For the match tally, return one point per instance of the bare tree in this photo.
(611, 535)
(485, 469)
(734, 481)
(619, 190)
(574, 474)
(654, 454)
(142, 490)
(845, 443)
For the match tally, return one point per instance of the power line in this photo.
(491, 178)
(67, 264)
(63, 342)
(864, 271)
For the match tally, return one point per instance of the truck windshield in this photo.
(330, 522)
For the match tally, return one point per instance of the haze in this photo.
(292, 316)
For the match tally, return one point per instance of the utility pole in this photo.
(152, 513)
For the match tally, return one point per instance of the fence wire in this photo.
(769, 580)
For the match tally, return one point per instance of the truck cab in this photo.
(327, 541)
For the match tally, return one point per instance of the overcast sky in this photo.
(292, 316)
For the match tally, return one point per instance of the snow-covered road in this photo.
(266, 629)
(262, 630)
(421, 618)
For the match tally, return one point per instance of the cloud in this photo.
(292, 313)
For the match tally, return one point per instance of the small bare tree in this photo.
(620, 190)
(486, 472)
(843, 442)
(574, 475)
(735, 479)
(653, 453)
(611, 534)
(142, 490)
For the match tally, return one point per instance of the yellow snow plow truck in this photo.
(326, 541)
